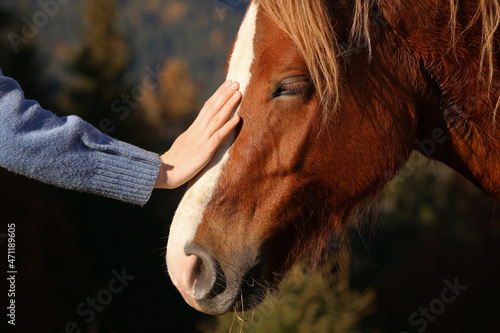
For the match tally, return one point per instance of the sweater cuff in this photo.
(127, 178)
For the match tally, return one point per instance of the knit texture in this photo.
(69, 152)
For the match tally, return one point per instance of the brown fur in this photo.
(414, 79)
(309, 25)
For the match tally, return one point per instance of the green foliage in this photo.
(316, 302)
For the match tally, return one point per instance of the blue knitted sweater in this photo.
(70, 153)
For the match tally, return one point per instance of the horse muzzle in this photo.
(213, 287)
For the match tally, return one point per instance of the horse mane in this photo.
(309, 25)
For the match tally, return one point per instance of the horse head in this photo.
(325, 127)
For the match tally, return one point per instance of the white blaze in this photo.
(189, 214)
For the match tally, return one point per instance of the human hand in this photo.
(194, 148)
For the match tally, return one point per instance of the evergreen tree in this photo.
(99, 67)
(19, 57)
(170, 104)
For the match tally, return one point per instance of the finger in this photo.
(218, 100)
(223, 115)
(219, 136)
(202, 115)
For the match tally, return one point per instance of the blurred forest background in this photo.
(140, 71)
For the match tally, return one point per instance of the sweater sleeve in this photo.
(69, 152)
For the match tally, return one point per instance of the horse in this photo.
(336, 95)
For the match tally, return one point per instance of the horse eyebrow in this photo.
(286, 71)
(298, 69)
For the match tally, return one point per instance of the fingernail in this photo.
(228, 83)
(234, 84)
(236, 95)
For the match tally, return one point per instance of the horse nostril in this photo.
(207, 276)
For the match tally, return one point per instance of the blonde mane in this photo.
(308, 23)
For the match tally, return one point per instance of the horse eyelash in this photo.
(291, 89)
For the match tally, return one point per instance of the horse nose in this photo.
(204, 280)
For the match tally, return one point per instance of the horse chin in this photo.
(222, 304)
(253, 291)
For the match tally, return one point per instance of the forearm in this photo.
(69, 152)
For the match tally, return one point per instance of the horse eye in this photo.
(293, 88)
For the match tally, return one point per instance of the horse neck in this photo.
(456, 123)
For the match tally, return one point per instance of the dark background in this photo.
(429, 226)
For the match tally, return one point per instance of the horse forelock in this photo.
(309, 24)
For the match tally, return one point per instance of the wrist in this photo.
(162, 180)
